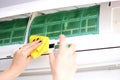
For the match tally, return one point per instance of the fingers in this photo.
(29, 45)
(63, 42)
(63, 45)
(26, 49)
(51, 57)
(32, 47)
(70, 50)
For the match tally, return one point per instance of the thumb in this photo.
(51, 57)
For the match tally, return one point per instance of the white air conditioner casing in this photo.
(85, 59)
(103, 59)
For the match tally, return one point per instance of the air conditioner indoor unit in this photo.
(94, 51)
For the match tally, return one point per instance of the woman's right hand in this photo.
(63, 65)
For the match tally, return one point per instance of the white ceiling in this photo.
(6, 3)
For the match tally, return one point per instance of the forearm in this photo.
(9, 74)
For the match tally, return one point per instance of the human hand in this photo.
(63, 65)
(22, 57)
(20, 61)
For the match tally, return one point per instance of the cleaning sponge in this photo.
(43, 48)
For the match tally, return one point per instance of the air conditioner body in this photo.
(94, 52)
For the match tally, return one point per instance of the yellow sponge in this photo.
(43, 48)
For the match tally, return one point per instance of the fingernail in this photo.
(34, 40)
(37, 38)
(40, 41)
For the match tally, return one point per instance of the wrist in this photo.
(14, 71)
